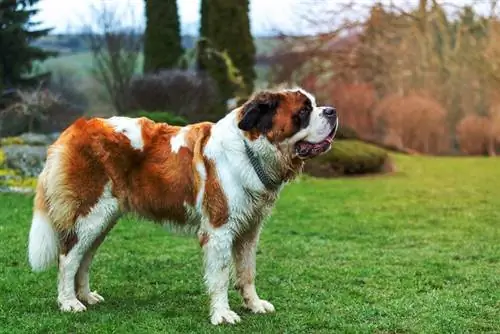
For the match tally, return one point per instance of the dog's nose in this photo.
(329, 112)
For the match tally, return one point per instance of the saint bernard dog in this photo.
(219, 180)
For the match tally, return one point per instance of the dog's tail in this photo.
(43, 245)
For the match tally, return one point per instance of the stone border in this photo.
(17, 190)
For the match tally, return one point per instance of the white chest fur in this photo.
(248, 200)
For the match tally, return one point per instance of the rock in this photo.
(53, 136)
(13, 181)
(36, 139)
(28, 160)
(21, 190)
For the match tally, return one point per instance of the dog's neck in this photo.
(267, 165)
(267, 180)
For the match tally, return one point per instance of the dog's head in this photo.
(291, 121)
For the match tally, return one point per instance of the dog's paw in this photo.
(71, 305)
(91, 298)
(221, 316)
(260, 306)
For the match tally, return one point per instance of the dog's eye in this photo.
(303, 113)
(301, 118)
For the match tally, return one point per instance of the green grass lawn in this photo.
(413, 252)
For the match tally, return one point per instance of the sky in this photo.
(266, 16)
(64, 15)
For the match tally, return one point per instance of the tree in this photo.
(17, 54)
(162, 43)
(226, 25)
(115, 53)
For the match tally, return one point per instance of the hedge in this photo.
(163, 117)
(349, 157)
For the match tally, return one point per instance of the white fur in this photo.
(217, 256)
(202, 172)
(88, 229)
(83, 285)
(43, 246)
(179, 140)
(319, 127)
(304, 92)
(225, 147)
(244, 261)
(130, 127)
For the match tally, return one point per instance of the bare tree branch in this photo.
(115, 51)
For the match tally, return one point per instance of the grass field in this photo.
(413, 252)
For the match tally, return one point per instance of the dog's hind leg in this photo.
(82, 282)
(88, 230)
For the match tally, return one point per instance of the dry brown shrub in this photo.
(495, 128)
(494, 115)
(474, 134)
(39, 111)
(415, 121)
(355, 104)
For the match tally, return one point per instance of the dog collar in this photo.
(259, 170)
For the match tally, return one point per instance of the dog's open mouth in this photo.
(307, 150)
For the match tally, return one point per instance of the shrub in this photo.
(345, 132)
(10, 141)
(59, 116)
(38, 111)
(494, 114)
(474, 135)
(186, 93)
(163, 117)
(349, 157)
(28, 183)
(8, 97)
(415, 121)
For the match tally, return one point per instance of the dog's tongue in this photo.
(309, 149)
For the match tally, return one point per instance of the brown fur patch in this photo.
(66, 241)
(40, 201)
(215, 201)
(283, 125)
(159, 185)
(77, 159)
(203, 239)
(162, 177)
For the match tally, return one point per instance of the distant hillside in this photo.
(74, 55)
(75, 43)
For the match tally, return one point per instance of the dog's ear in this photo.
(258, 112)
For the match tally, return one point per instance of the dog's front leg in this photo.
(244, 252)
(217, 245)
